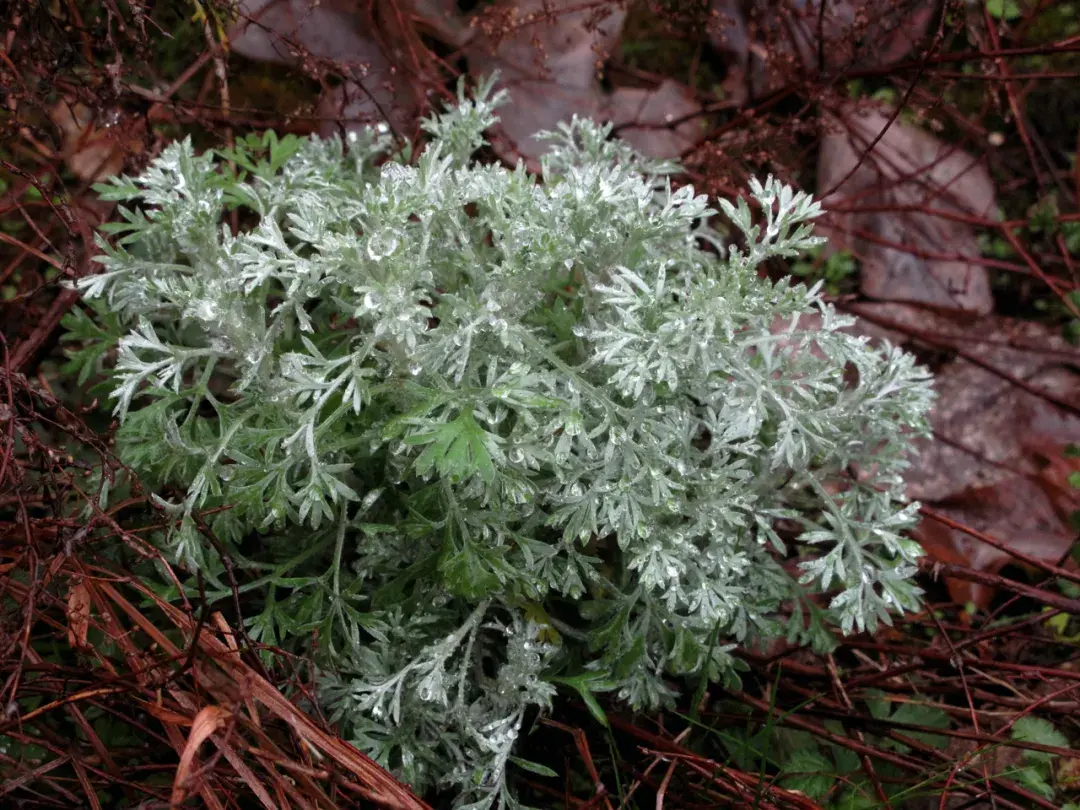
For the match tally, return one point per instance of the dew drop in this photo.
(381, 245)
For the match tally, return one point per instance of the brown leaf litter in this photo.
(380, 56)
(547, 54)
(767, 43)
(94, 145)
(1008, 407)
(887, 185)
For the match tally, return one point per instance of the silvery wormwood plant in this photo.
(471, 436)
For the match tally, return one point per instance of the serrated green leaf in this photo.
(474, 572)
(920, 714)
(1031, 777)
(809, 771)
(458, 450)
(1038, 730)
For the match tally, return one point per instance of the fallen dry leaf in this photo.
(997, 460)
(164, 715)
(729, 37)
(771, 43)
(906, 254)
(207, 722)
(546, 54)
(227, 633)
(92, 148)
(78, 615)
(660, 123)
(984, 421)
(1018, 511)
(346, 34)
(282, 30)
(444, 19)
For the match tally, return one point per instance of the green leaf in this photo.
(748, 747)
(847, 761)
(1060, 624)
(629, 661)
(858, 797)
(878, 703)
(1038, 730)
(457, 450)
(393, 591)
(809, 771)
(922, 715)
(473, 571)
(585, 685)
(594, 707)
(534, 767)
(1032, 778)
(1003, 9)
